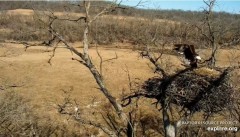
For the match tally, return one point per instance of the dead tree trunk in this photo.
(170, 130)
(117, 106)
(86, 30)
(85, 59)
(211, 36)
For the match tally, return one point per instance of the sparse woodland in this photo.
(157, 104)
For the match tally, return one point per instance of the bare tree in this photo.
(199, 93)
(211, 32)
(85, 59)
(187, 93)
(170, 129)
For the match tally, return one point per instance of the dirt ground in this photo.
(29, 74)
(43, 83)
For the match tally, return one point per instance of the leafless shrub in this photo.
(144, 120)
(18, 119)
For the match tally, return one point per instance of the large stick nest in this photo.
(194, 91)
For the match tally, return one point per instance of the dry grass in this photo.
(23, 25)
(20, 12)
(207, 72)
(43, 84)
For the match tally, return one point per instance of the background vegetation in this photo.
(175, 25)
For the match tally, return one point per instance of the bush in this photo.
(18, 119)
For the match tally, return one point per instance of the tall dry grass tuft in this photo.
(19, 119)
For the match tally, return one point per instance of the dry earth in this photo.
(43, 83)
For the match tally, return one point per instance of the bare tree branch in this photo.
(211, 32)
(97, 125)
(153, 60)
(102, 61)
(53, 52)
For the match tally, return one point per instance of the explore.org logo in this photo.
(218, 128)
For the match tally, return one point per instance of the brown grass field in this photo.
(42, 83)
